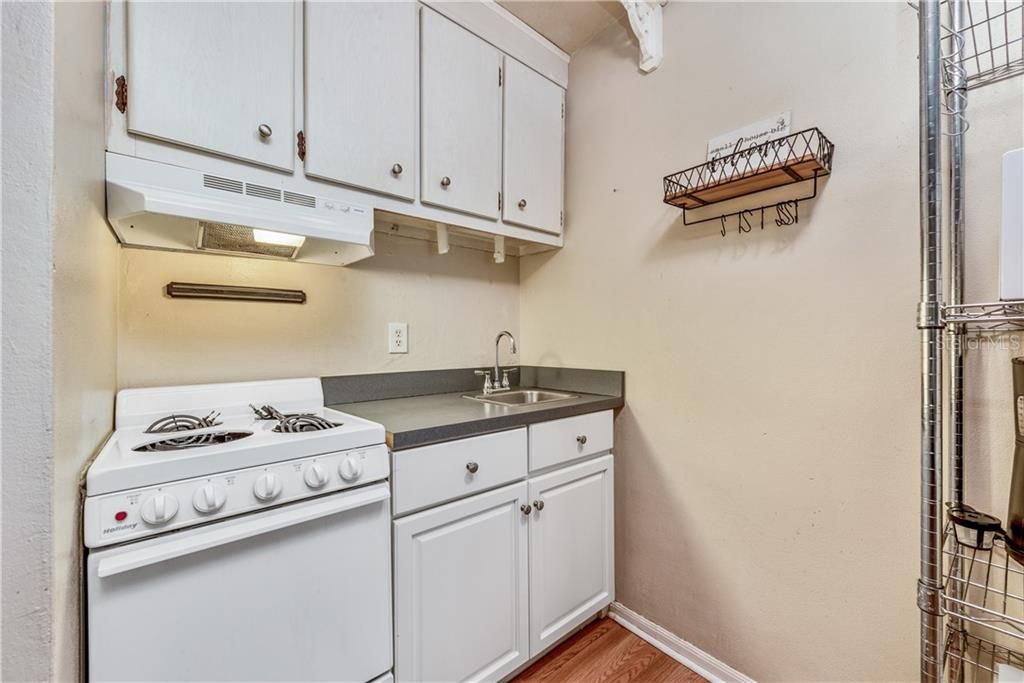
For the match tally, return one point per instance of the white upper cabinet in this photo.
(215, 76)
(360, 91)
(460, 118)
(533, 149)
(571, 549)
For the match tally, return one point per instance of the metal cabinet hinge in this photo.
(561, 219)
(301, 145)
(563, 110)
(121, 93)
(499, 76)
(499, 201)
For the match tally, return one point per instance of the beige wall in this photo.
(26, 321)
(454, 305)
(85, 303)
(767, 457)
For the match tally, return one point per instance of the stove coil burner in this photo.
(304, 423)
(182, 423)
(181, 443)
(293, 422)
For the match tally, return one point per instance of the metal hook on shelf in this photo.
(787, 213)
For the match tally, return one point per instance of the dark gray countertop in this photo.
(428, 406)
(420, 420)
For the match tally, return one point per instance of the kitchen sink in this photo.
(522, 397)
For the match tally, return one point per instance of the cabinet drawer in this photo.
(563, 440)
(433, 474)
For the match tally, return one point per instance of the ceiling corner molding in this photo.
(645, 20)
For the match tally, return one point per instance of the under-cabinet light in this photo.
(280, 238)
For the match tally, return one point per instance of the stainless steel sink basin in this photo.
(522, 397)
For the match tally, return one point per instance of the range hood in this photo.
(160, 206)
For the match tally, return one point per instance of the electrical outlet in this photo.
(398, 337)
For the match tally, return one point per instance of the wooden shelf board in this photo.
(736, 186)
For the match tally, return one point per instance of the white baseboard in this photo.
(687, 654)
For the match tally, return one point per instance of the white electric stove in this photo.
(238, 532)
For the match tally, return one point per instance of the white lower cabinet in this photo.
(461, 589)
(572, 572)
(488, 582)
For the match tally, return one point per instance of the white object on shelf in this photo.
(1011, 247)
(1009, 674)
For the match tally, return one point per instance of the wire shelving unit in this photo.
(971, 596)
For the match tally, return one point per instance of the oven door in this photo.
(300, 593)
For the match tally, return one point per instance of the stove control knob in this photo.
(267, 487)
(209, 498)
(315, 477)
(351, 468)
(159, 508)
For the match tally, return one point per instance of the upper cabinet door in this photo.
(216, 76)
(533, 149)
(361, 75)
(461, 118)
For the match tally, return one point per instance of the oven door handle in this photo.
(215, 535)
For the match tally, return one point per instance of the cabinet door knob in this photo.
(446, 181)
(396, 170)
(472, 467)
(539, 505)
(582, 439)
(525, 509)
(522, 203)
(265, 131)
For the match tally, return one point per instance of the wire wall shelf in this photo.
(1000, 316)
(988, 47)
(983, 599)
(992, 44)
(806, 155)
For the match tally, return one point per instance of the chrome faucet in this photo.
(500, 381)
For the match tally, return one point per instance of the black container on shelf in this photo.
(1015, 515)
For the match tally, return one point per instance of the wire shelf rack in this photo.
(983, 599)
(989, 46)
(971, 659)
(992, 44)
(1000, 316)
(806, 155)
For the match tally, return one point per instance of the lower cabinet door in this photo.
(571, 549)
(461, 601)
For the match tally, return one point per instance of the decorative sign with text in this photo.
(746, 138)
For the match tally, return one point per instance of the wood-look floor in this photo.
(607, 653)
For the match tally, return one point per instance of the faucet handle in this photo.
(486, 374)
(504, 377)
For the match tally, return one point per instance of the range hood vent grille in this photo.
(254, 190)
(215, 182)
(306, 200)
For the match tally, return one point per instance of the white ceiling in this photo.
(569, 24)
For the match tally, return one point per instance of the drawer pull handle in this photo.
(472, 467)
(539, 504)
(396, 170)
(265, 131)
(526, 509)
(446, 182)
(582, 439)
